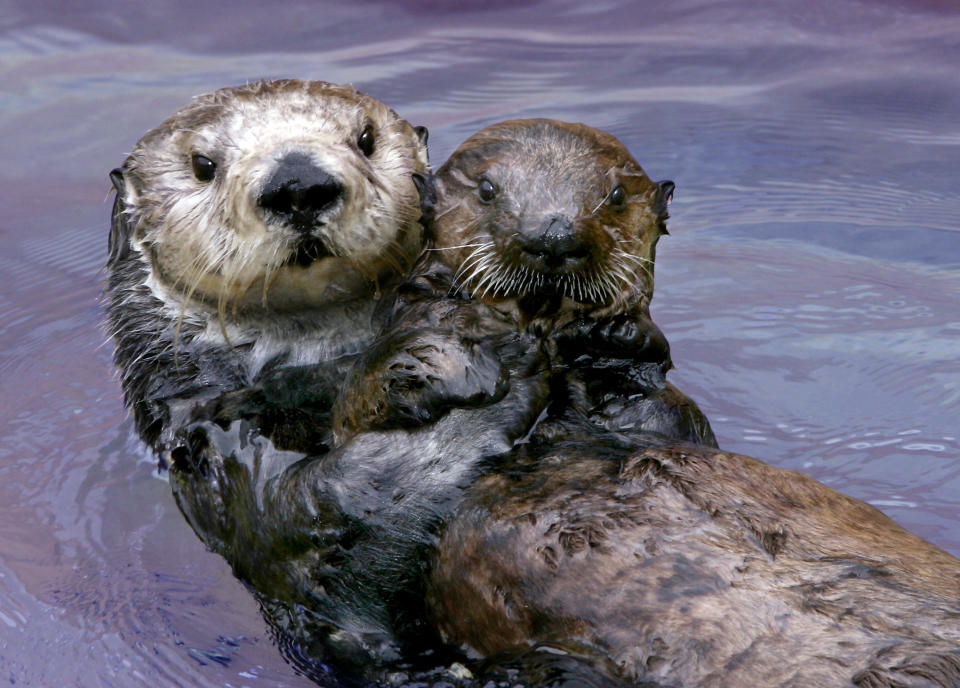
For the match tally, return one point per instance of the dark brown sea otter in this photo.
(654, 562)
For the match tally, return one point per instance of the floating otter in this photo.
(254, 231)
(255, 234)
(650, 561)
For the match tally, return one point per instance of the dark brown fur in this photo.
(654, 561)
(686, 566)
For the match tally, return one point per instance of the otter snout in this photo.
(299, 192)
(555, 244)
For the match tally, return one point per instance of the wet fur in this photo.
(608, 540)
(686, 566)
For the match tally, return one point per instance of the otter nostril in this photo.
(299, 191)
(556, 243)
(321, 194)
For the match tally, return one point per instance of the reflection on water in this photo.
(810, 288)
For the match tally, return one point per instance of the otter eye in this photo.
(366, 141)
(618, 196)
(486, 191)
(203, 167)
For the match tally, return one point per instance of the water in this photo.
(810, 288)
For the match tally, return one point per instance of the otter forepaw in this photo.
(419, 383)
(623, 336)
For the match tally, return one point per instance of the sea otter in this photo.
(605, 553)
(255, 231)
(256, 234)
(623, 549)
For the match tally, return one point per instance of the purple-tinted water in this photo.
(810, 288)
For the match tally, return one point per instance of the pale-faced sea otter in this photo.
(255, 230)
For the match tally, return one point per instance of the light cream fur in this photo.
(208, 243)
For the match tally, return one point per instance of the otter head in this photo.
(282, 195)
(551, 215)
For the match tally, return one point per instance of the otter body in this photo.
(675, 565)
(256, 236)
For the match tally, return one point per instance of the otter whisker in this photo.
(618, 253)
(482, 248)
(449, 209)
(595, 291)
(619, 257)
(527, 280)
(490, 278)
(453, 248)
(482, 263)
(495, 279)
(611, 286)
(508, 281)
(498, 283)
(485, 279)
(479, 253)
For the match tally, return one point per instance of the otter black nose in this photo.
(556, 243)
(299, 191)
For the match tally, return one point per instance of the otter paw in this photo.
(624, 336)
(419, 383)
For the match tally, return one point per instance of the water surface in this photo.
(810, 286)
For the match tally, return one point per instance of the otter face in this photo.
(538, 209)
(289, 194)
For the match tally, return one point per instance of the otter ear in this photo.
(116, 178)
(422, 134)
(660, 202)
(664, 194)
(428, 195)
(119, 244)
